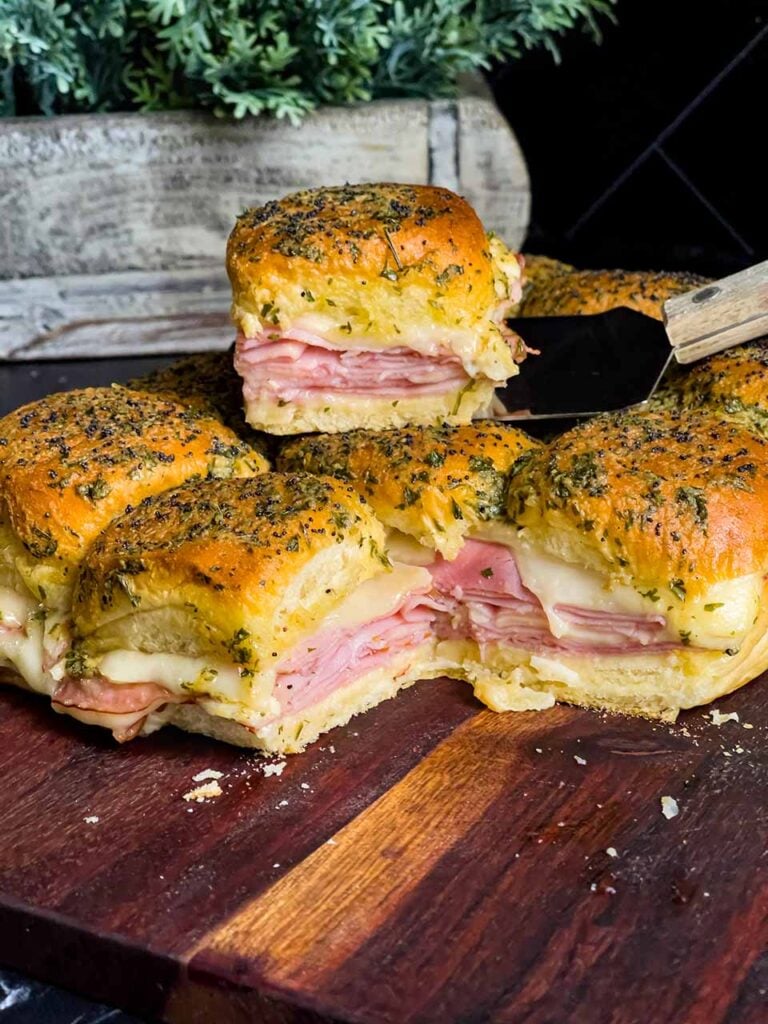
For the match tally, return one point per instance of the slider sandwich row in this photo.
(154, 571)
(621, 567)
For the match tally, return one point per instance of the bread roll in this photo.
(369, 306)
(209, 383)
(733, 383)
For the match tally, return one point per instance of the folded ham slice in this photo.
(332, 658)
(296, 366)
(481, 596)
(123, 707)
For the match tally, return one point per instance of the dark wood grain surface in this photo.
(430, 863)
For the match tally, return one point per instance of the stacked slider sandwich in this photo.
(370, 305)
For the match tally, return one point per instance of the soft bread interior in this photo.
(334, 414)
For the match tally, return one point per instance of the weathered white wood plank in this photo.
(718, 315)
(107, 215)
(115, 314)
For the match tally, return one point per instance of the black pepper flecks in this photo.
(403, 469)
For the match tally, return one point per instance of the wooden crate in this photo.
(113, 226)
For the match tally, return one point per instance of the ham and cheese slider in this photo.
(69, 463)
(642, 536)
(261, 612)
(442, 494)
(369, 306)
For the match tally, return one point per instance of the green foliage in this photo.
(281, 57)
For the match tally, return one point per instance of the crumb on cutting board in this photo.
(203, 793)
(669, 807)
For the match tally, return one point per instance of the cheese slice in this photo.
(718, 619)
(21, 638)
(376, 597)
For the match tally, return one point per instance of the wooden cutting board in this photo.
(431, 862)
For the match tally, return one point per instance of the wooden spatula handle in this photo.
(718, 315)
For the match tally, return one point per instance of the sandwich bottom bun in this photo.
(333, 414)
(657, 686)
(292, 733)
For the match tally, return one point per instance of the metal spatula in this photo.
(592, 364)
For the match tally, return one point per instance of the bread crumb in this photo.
(273, 769)
(92, 819)
(305, 785)
(283, 803)
(330, 842)
(579, 760)
(209, 773)
(612, 851)
(718, 719)
(203, 793)
(669, 807)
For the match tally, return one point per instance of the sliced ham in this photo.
(482, 597)
(121, 707)
(296, 366)
(333, 658)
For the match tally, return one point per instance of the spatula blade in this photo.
(586, 364)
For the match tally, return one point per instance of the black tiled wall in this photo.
(649, 150)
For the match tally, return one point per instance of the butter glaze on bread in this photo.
(208, 383)
(582, 292)
(679, 502)
(432, 483)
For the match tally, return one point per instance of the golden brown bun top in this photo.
(734, 381)
(597, 291)
(382, 261)
(252, 563)
(670, 500)
(433, 483)
(208, 382)
(363, 230)
(73, 461)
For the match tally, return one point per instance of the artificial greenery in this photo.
(281, 57)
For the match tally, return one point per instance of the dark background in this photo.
(644, 152)
(649, 150)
